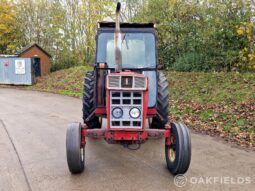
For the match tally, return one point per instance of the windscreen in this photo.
(138, 50)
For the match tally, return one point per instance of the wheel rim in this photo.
(171, 154)
(172, 150)
(82, 154)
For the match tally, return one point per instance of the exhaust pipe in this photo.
(117, 41)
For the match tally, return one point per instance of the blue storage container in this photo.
(16, 70)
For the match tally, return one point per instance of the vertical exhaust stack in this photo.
(117, 41)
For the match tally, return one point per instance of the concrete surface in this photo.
(32, 153)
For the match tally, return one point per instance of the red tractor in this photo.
(128, 91)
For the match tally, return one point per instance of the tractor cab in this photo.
(138, 51)
(138, 45)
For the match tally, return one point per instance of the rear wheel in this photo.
(91, 120)
(159, 121)
(75, 153)
(178, 154)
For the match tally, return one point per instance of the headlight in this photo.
(135, 112)
(117, 112)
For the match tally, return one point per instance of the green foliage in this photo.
(205, 115)
(241, 122)
(64, 61)
(210, 35)
(202, 35)
(66, 29)
(191, 61)
(204, 88)
(66, 81)
(10, 35)
(221, 88)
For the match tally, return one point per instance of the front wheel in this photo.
(178, 154)
(75, 153)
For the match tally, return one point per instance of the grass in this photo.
(212, 87)
(219, 88)
(67, 82)
(218, 103)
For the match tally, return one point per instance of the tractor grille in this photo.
(139, 82)
(132, 82)
(114, 81)
(126, 101)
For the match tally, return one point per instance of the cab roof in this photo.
(125, 25)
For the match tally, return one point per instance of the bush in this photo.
(64, 63)
(206, 36)
(192, 61)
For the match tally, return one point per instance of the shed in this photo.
(41, 58)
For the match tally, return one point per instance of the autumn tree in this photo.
(209, 35)
(10, 35)
(66, 28)
(201, 35)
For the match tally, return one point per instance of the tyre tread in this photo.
(88, 101)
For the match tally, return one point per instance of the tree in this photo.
(10, 35)
(66, 28)
(199, 35)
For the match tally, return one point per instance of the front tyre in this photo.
(75, 153)
(178, 154)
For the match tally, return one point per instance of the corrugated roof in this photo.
(7, 56)
(27, 48)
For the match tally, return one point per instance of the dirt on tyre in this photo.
(89, 117)
(162, 106)
(178, 154)
(75, 153)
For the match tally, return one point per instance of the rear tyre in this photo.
(159, 121)
(75, 153)
(178, 154)
(91, 120)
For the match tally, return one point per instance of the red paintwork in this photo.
(83, 135)
(117, 135)
(113, 135)
(108, 107)
(145, 106)
(101, 110)
(125, 135)
(152, 111)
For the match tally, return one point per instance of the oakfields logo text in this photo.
(181, 180)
